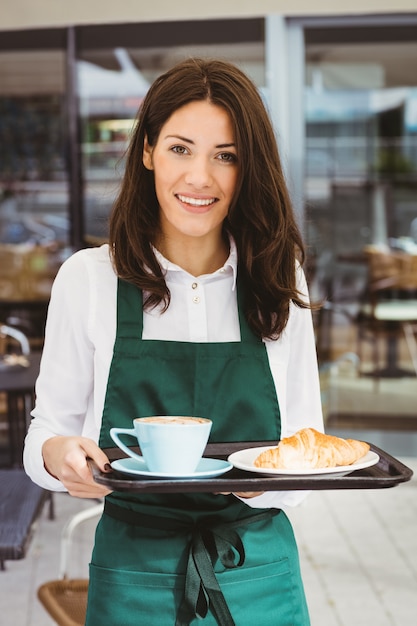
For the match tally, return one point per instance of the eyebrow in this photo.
(220, 145)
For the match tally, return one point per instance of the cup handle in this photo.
(114, 434)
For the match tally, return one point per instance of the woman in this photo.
(197, 307)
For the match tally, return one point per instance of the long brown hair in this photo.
(261, 218)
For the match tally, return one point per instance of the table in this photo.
(393, 304)
(18, 383)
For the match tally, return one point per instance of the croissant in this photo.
(310, 449)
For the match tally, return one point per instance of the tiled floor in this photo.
(358, 553)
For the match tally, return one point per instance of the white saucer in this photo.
(244, 459)
(207, 468)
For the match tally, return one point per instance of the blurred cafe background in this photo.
(341, 86)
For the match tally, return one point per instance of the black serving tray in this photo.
(388, 472)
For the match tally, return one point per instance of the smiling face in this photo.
(194, 161)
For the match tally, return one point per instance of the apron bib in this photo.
(170, 559)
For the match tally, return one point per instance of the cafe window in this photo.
(34, 220)
(360, 97)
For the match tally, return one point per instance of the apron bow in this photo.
(209, 541)
(201, 587)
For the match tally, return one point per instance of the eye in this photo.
(227, 157)
(179, 149)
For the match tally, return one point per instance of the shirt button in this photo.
(196, 299)
(194, 285)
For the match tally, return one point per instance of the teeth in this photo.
(196, 201)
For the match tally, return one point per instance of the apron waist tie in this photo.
(209, 541)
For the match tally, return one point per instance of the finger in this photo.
(80, 490)
(248, 494)
(95, 453)
(76, 466)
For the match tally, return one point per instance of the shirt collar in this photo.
(229, 266)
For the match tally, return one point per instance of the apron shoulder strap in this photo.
(246, 334)
(129, 310)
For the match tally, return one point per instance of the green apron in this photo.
(172, 559)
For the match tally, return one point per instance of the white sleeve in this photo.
(303, 407)
(65, 382)
(297, 383)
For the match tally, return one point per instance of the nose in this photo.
(198, 174)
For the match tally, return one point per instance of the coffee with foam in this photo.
(173, 419)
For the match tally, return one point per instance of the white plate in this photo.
(207, 468)
(244, 459)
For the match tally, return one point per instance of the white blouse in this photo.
(79, 339)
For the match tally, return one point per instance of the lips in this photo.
(196, 202)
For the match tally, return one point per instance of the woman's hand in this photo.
(241, 494)
(65, 458)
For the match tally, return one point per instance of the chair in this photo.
(17, 395)
(390, 311)
(65, 599)
(10, 335)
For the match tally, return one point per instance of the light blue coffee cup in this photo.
(169, 444)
